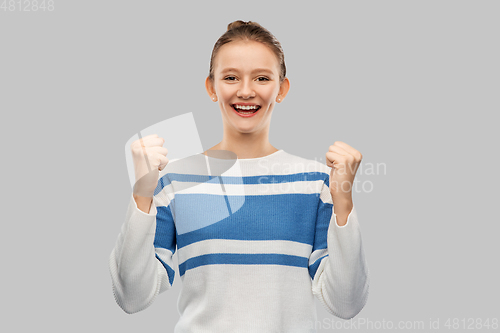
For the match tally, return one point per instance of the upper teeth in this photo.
(252, 107)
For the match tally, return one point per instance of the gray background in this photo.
(410, 84)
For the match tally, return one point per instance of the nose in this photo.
(246, 91)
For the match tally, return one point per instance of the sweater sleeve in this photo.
(337, 263)
(141, 264)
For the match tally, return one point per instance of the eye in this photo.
(228, 77)
(265, 78)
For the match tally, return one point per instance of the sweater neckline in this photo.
(262, 157)
(250, 159)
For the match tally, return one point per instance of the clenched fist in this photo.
(149, 158)
(344, 161)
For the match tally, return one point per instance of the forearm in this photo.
(143, 203)
(342, 207)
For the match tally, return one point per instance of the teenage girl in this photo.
(261, 278)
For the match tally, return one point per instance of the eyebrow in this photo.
(255, 70)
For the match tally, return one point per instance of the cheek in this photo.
(269, 98)
(225, 94)
(269, 94)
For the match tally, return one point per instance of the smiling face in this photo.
(246, 73)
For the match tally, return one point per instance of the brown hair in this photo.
(241, 30)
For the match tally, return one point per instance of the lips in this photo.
(245, 113)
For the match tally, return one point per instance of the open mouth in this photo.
(245, 110)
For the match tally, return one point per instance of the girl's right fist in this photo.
(149, 158)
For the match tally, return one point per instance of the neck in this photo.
(246, 145)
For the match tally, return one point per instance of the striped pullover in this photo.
(256, 240)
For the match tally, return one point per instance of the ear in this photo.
(284, 87)
(210, 89)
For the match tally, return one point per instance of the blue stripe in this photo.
(261, 217)
(165, 234)
(324, 217)
(243, 259)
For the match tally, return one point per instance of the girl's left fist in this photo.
(344, 161)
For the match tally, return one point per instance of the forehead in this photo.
(246, 56)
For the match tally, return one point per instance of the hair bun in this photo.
(239, 23)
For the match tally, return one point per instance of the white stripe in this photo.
(214, 187)
(210, 246)
(281, 165)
